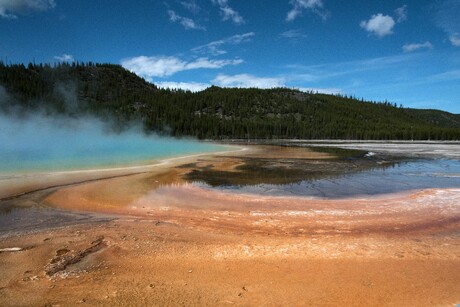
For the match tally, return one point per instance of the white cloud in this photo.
(239, 38)
(9, 8)
(228, 13)
(191, 6)
(251, 81)
(163, 66)
(211, 64)
(455, 39)
(331, 91)
(414, 47)
(188, 86)
(447, 14)
(379, 25)
(401, 13)
(64, 58)
(445, 76)
(187, 23)
(293, 34)
(215, 47)
(246, 80)
(332, 71)
(298, 6)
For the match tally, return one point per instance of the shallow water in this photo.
(397, 177)
(40, 144)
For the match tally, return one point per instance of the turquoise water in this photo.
(38, 144)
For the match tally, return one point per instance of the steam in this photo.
(43, 143)
(5, 99)
(47, 139)
(68, 92)
(3, 94)
(68, 113)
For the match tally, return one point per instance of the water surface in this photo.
(366, 180)
(41, 144)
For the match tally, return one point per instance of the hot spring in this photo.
(44, 144)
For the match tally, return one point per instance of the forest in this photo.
(112, 93)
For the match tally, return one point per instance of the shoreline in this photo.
(169, 197)
(26, 183)
(33, 182)
(166, 242)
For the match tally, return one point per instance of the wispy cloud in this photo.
(216, 47)
(294, 34)
(247, 80)
(415, 46)
(187, 23)
(321, 90)
(251, 81)
(10, 8)
(298, 6)
(328, 71)
(401, 13)
(191, 5)
(356, 77)
(447, 14)
(445, 76)
(64, 58)
(188, 86)
(379, 25)
(228, 13)
(164, 66)
(455, 40)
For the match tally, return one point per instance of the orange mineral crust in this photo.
(170, 241)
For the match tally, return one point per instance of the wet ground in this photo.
(420, 149)
(339, 173)
(220, 230)
(27, 214)
(335, 179)
(300, 171)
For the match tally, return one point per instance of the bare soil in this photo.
(174, 243)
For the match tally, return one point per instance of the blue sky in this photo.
(406, 51)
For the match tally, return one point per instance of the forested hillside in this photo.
(109, 91)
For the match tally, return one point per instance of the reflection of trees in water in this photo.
(279, 171)
(14, 204)
(6, 210)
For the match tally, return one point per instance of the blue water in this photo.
(43, 144)
(403, 176)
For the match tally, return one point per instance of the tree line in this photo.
(111, 92)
